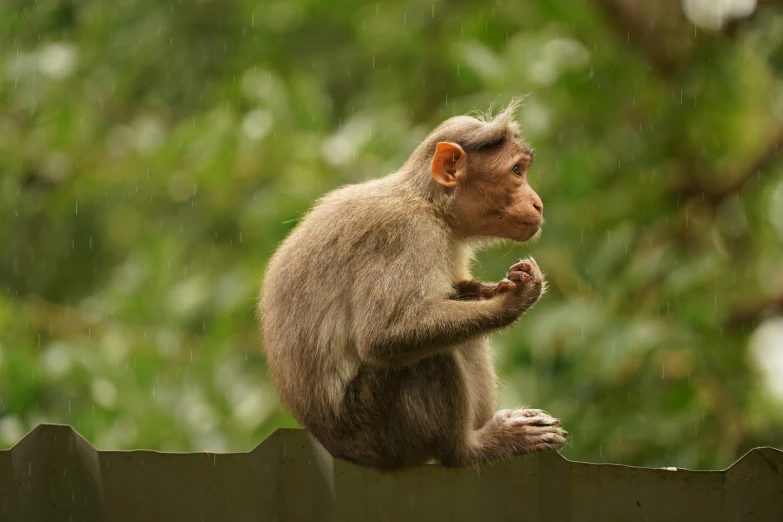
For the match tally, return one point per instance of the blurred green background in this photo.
(153, 154)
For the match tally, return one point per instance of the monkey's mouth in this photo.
(527, 230)
(531, 224)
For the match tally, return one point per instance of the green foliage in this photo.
(153, 155)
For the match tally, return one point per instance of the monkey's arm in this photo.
(401, 325)
(473, 290)
(430, 327)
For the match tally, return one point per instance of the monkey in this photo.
(376, 336)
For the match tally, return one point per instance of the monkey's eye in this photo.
(516, 170)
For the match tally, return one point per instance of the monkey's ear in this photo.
(449, 165)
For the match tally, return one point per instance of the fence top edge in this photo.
(290, 434)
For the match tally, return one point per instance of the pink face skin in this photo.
(493, 197)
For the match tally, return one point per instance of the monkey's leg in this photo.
(508, 433)
(395, 417)
(480, 380)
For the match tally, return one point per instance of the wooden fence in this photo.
(54, 474)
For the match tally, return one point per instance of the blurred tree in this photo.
(153, 155)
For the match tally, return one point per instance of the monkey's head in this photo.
(488, 185)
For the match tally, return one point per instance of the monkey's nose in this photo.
(539, 206)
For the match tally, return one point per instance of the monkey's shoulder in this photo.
(374, 205)
(383, 192)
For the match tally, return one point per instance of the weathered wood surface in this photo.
(54, 474)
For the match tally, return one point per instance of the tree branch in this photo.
(768, 154)
(754, 313)
(658, 30)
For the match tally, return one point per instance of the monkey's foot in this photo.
(532, 413)
(525, 431)
(507, 434)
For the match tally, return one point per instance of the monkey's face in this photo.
(492, 196)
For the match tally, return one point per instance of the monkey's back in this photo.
(321, 280)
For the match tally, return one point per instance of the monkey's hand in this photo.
(523, 286)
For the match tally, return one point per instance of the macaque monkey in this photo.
(376, 336)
